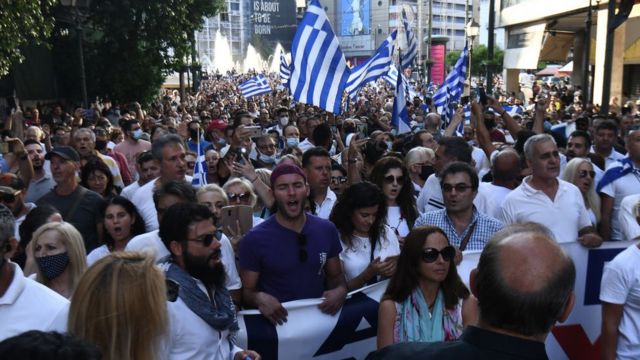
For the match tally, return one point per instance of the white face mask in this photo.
(284, 121)
(137, 134)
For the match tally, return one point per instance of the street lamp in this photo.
(473, 29)
(78, 11)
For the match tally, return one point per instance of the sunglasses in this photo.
(584, 173)
(7, 198)
(458, 187)
(302, 252)
(206, 240)
(239, 197)
(339, 179)
(390, 179)
(430, 255)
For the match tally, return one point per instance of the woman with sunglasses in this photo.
(369, 248)
(121, 224)
(240, 192)
(425, 300)
(580, 172)
(392, 176)
(338, 179)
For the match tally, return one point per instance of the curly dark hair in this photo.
(406, 277)
(406, 199)
(93, 164)
(138, 226)
(358, 196)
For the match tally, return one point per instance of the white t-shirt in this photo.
(396, 222)
(151, 243)
(565, 215)
(29, 305)
(143, 200)
(192, 338)
(628, 222)
(431, 198)
(97, 254)
(130, 189)
(496, 197)
(621, 285)
(624, 186)
(356, 258)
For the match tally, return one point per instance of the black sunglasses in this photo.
(584, 173)
(241, 197)
(339, 179)
(459, 187)
(7, 198)
(390, 179)
(302, 252)
(206, 240)
(430, 255)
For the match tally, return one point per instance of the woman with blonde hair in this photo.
(580, 172)
(120, 305)
(60, 257)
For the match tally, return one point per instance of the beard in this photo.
(199, 268)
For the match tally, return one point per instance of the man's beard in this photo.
(198, 267)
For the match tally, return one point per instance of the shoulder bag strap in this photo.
(463, 244)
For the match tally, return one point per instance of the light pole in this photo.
(472, 32)
(490, 42)
(78, 11)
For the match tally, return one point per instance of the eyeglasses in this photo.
(339, 179)
(207, 239)
(430, 255)
(458, 187)
(238, 197)
(389, 179)
(302, 251)
(584, 173)
(8, 198)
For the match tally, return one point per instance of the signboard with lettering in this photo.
(272, 22)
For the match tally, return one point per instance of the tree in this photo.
(478, 59)
(22, 22)
(131, 45)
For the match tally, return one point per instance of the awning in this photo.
(565, 70)
(556, 47)
(548, 71)
(523, 47)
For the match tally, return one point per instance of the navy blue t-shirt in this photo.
(272, 250)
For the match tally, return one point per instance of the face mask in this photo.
(52, 266)
(267, 159)
(222, 142)
(389, 145)
(426, 171)
(284, 120)
(292, 141)
(101, 145)
(137, 134)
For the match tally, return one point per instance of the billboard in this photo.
(272, 22)
(356, 17)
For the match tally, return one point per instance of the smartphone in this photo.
(241, 154)
(234, 215)
(254, 131)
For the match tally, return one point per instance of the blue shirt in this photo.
(485, 227)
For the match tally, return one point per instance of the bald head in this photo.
(506, 165)
(524, 281)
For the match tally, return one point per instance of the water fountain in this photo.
(222, 59)
(275, 61)
(253, 61)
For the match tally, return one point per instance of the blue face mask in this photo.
(292, 141)
(137, 134)
(222, 142)
(53, 266)
(267, 159)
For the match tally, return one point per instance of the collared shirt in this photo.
(565, 215)
(324, 210)
(484, 229)
(624, 186)
(611, 159)
(37, 188)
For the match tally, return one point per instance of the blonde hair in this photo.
(246, 184)
(591, 199)
(76, 251)
(214, 189)
(120, 305)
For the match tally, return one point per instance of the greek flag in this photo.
(320, 72)
(450, 91)
(257, 85)
(400, 114)
(513, 110)
(200, 169)
(391, 78)
(285, 70)
(412, 44)
(376, 66)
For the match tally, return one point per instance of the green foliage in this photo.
(478, 59)
(22, 22)
(131, 45)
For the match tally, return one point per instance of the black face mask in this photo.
(426, 171)
(101, 145)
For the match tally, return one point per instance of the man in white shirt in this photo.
(606, 134)
(147, 169)
(316, 163)
(545, 199)
(202, 318)
(505, 170)
(170, 154)
(24, 304)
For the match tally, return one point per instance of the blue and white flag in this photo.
(257, 85)
(200, 169)
(412, 44)
(320, 71)
(376, 66)
(450, 91)
(391, 76)
(513, 109)
(285, 70)
(400, 118)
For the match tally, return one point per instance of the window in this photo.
(234, 6)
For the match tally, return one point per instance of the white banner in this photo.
(351, 333)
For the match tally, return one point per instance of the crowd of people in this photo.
(115, 238)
